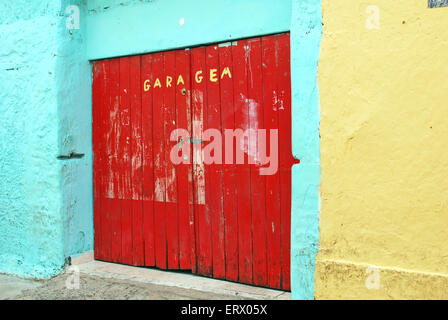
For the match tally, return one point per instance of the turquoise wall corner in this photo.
(306, 35)
(74, 81)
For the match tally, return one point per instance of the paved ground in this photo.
(11, 286)
(97, 288)
(104, 281)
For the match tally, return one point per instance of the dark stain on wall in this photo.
(437, 3)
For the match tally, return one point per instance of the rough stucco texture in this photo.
(73, 74)
(306, 34)
(384, 151)
(30, 221)
(39, 206)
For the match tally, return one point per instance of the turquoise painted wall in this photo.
(306, 35)
(30, 196)
(73, 72)
(45, 108)
(120, 27)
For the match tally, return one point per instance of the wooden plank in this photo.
(184, 170)
(138, 257)
(214, 179)
(269, 70)
(113, 150)
(104, 127)
(159, 162)
(258, 182)
(172, 227)
(97, 95)
(125, 162)
(202, 216)
(229, 181)
(148, 160)
(243, 170)
(285, 152)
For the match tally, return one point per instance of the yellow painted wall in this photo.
(384, 151)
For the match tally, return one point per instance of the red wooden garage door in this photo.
(200, 198)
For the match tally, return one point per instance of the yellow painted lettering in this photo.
(168, 81)
(198, 77)
(157, 83)
(180, 80)
(146, 85)
(213, 75)
(226, 71)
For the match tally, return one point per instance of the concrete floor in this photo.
(98, 288)
(11, 286)
(103, 281)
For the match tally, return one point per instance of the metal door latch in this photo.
(195, 140)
